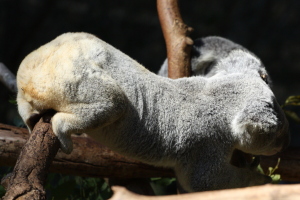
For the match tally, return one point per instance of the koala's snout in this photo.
(262, 128)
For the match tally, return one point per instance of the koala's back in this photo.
(77, 72)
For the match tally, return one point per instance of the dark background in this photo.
(269, 28)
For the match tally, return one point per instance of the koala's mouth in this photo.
(241, 159)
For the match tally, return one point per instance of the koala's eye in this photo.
(265, 78)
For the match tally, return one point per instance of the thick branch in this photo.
(271, 192)
(28, 177)
(8, 78)
(176, 33)
(88, 158)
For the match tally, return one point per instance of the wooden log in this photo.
(265, 192)
(88, 158)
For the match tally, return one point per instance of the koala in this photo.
(192, 125)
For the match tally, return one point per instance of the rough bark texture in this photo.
(88, 158)
(176, 33)
(266, 192)
(28, 177)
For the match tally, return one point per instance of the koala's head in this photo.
(240, 80)
(257, 121)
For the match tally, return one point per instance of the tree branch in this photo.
(88, 158)
(8, 78)
(28, 177)
(272, 192)
(176, 33)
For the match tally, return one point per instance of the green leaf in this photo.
(292, 115)
(272, 170)
(292, 101)
(276, 178)
(13, 101)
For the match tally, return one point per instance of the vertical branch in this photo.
(176, 34)
(29, 175)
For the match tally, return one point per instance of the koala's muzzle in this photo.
(262, 127)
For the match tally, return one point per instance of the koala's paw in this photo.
(60, 129)
(66, 143)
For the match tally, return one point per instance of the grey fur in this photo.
(206, 53)
(191, 124)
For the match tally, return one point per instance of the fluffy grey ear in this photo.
(207, 52)
(203, 60)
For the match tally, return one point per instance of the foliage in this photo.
(60, 187)
(276, 178)
(163, 186)
(292, 101)
(64, 187)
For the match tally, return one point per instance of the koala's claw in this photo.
(66, 144)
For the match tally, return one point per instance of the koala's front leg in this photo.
(64, 124)
(85, 117)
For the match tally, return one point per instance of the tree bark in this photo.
(269, 192)
(176, 33)
(88, 158)
(28, 177)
